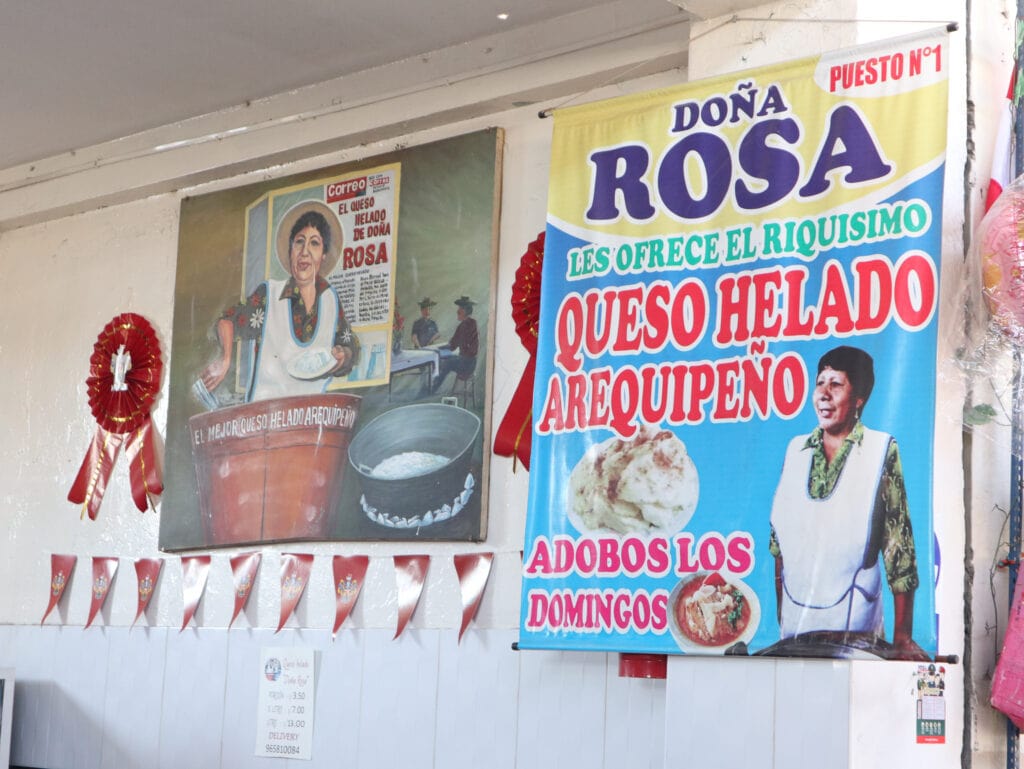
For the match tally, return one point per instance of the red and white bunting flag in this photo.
(410, 574)
(194, 571)
(349, 573)
(103, 570)
(61, 567)
(472, 570)
(243, 571)
(295, 568)
(1002, 151)
(147, 570)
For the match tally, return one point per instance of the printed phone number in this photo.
(290, 749)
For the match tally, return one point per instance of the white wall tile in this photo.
(35, 690)
(192, 711)
(399, 702)
(634, 733)
(477, 693)
(561, 709)
(134, 695)
(241, 693)
(339, 693)
(79, 670)
(719, 713)
(812, 713)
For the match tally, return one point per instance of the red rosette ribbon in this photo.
(514, 435)
(123, 382)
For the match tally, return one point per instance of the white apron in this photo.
(826, 584)
(279, 346)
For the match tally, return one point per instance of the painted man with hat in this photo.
(465, 342)
(292, 318)
(424, 330)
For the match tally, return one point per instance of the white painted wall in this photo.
(154, 697)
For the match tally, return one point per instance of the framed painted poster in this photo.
(331, 353)
(735, 394)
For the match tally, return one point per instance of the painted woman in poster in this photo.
(840, 508)
(298, 324)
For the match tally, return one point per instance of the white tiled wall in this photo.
(160, 699)
(114, 698)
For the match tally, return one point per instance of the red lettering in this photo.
(576, 404)
(727, 405)
(789, 384)
(656, 387)
(656, 328)
(834, 304)
(874, 293)
(567, 333)
(633, 555)
(657, 556)
(689, 314)
(364, 255)
(538, 609)
(609, 557)
(733, 305)
(711, 551)
(755, 385)
(539, 561)
(600, 379)
(564, 560)
(915, 290)
(835, 74)
(766, 304)
(684, 547)
(622, 612)
(628, 337)
(552, 419)
(586, 557)
(740, 548)
(796, 326)
(595, 342)
(659, 611)
(702, 385)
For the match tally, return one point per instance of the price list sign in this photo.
(284, 714)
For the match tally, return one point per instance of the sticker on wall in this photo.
(472, 570)
(410, 572)
(295, 568)
(61, 567)
(194, 570)
(243, 570)
(931, 704)
(284, 707)
(103, 570)
(349, 573)
(148, 572)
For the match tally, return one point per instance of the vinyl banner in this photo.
(734, 402)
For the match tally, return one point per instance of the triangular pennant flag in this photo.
(243, 570)
(295, 568)
(349, 573)
(148, 572)
(61, 567)
(1001, 173)
(103, 570)
(410, 573)
(472, 570)
(194, 570)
